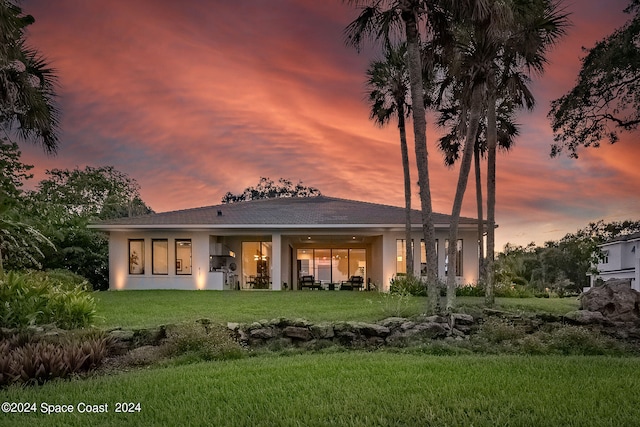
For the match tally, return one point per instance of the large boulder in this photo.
(615, 300)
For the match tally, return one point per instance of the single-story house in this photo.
(274, 243)
(621, 260)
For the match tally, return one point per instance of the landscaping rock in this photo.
(322, 331)
(233, 326)
(297, 332)
(585, 317)
(407, 325)
(461, 319)
(392, 322)
(616, 301)
(262, 333)
(370, 329)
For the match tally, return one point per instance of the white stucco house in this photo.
(274, 243)
(621, 260)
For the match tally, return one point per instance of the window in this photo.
(605, 257)
(423, 257)
(401, 255)
(160, 256)
(256, 265)
(458, 257)
(183, 256)
(332, 265)
(136, 256)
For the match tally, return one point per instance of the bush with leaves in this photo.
(37, 298)
(35, 359)
(202, 340)
(410, 284)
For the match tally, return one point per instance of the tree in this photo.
(538, 27)
(27, 83)
(267, 189)
(450, 144)
(388, 84)
(489, 42)
(67, 201)
(381, 20)
(19, 238)
(606, 98)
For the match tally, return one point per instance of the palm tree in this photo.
(451, 145)
(538, 26)
(493, 41)
(388, 82)
(380, 20)
(27, 83)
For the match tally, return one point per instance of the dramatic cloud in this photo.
(194, 99)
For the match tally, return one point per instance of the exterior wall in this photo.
(623, 263)
(380, 248)
(200, 278)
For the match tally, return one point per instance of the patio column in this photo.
(276, 262)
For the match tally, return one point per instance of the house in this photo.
(273, 243)
(621, 260)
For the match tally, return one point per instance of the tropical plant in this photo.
(382, 20)
(27, 83)
(388, 84)
(606, 98)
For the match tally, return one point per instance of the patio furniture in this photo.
(354, 282)
(309, 282)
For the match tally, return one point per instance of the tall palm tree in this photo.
(453, 118)
(381, 20)
(493, 41)
(538, 27)
(388, 81)
(27, 83)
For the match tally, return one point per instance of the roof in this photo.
(295, 211)
(623, 238)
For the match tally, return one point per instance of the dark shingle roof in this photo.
(320, 210)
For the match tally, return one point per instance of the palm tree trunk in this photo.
(420, 134)
(492, 139)
(407, 187)
(463, 177)
(476, 157)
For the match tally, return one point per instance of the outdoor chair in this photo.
(354, 282)
(309, 282)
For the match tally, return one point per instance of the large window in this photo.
(401, 255)
(160, 256)
(256, 265)
(332, 265)
(183, 256)
(423, 257)
(458, 257)
(136, 256)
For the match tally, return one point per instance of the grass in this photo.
(130, 309)
(354, 389)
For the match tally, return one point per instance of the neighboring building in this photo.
(621, 260)
(273, 243)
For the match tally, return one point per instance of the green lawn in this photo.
(354, 389)
(152, 308)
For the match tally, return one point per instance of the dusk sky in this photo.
(196, 98)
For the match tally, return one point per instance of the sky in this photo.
(197, 98)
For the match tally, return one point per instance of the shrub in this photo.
(582, 341)
(470, 291)
(37, 298)
(512, 291)
(397, 303)
(408, 284)
(499, 330)
(204, 340)
(34, 359)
